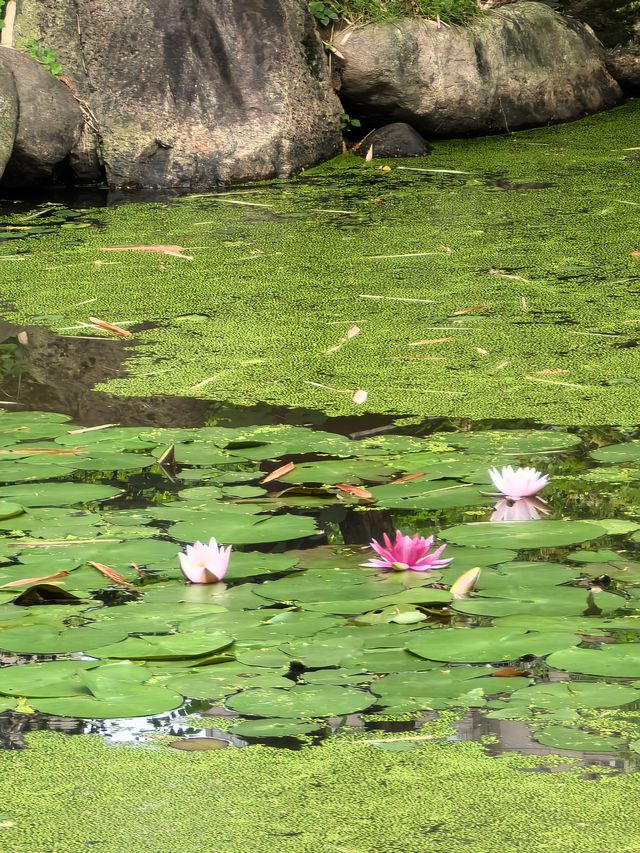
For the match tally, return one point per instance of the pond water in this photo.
(301, 640)
(426, 339)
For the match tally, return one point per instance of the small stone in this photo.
(395, 140)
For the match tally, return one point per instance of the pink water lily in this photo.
(516, 483)
(526, 509)
(205, 563)
(407, 552)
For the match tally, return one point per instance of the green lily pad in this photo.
(10, 510)
(340, 471)
(463, 685)
(57, 494)
(603, 556)
(510, 442)
(484, 645)
(55, 678)
(186, 645)
(621, 661)
(45, 640)
(559, 737)
(628, 451)
(523, 534)
(533, 601)
(274, 728)
(575, 694)
(131, 701)
(304, 701)
(243, 528)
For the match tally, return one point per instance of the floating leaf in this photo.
(304, 701)
(485, 645)
(274, 728)
(620, 661)
(559, 737)
(523, 534)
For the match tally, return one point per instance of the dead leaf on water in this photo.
(359, 397)
(431, 341)
(90, 429)
(109, 327)
(114, 576)
(279, 472)
(407, 479)
(356, 491)
(45, 579)
(176, 251)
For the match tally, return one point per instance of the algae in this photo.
(515, 271)
(69, 794)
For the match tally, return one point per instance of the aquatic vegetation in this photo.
(205, 563)
(359, 793)
(300, 631)
(407, 552)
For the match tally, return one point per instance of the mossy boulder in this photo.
(8, 116)
(520, 66)
(623, 63)
(49, 121)
(197, 94)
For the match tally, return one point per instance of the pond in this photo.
(297, 369)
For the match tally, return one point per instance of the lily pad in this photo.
(511, 442)
(274, 728)
(186, 645)
(132, 701)
(559, 737)
(621, 661)
(57, 494)
(303, 701)
(484, 645)
(523, 534)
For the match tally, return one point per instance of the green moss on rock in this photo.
(516, 270)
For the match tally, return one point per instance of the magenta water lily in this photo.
(205, 563)
(516, 483)
(407, 552)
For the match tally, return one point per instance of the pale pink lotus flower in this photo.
(525, 509)
(463, 585)
(516, 483)
(205, 563)
(407, 552)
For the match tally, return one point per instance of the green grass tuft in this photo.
(449, 11)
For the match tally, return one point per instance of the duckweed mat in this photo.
(496, 278)
(73, 794)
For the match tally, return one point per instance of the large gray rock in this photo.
(8, 116)
(623, 63)
(49, 121)
(195, 94)
(522, 65)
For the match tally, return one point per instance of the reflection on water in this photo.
(499, 736)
